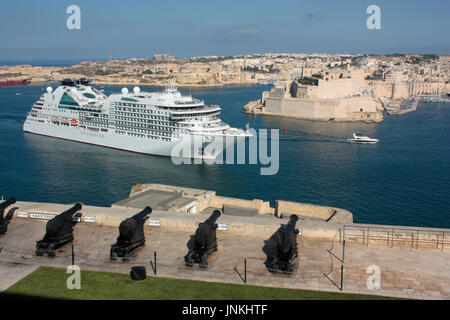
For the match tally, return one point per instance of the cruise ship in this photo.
(144, 122)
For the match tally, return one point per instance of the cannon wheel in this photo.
(112, 254)
(288, 270)
(204, 261)
(188, 261)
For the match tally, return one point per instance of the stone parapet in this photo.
(254, 226)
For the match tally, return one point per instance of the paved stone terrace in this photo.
(405, 272)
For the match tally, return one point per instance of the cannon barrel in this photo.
(213, 218)
(141, 215)
(292, 222)
(7, 203)
(57, 222)
(73, 210)
(129, 225)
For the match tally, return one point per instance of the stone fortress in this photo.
(309, 98)
(353, 90)
(334, 252)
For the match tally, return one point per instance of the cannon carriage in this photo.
(4, 220)
(203, 243)
(131, 235)
(285, 247)
(59, 231)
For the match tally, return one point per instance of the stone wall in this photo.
(207, 198)
(381, 89)
(262, 226)
(303, 209)
(402, 89)
(261, 206)
(336, 89)
(350, 109)
(202, 196)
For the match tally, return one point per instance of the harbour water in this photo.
(402, 180)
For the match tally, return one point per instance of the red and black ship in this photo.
(7, 83)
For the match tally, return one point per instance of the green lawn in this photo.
(51, 283)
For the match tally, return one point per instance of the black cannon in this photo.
(59, 231)
(4, 221)
(203, 243)
(284, 245)
(131, 235)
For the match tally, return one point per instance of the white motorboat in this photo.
(359, 138)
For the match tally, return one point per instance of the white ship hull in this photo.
(158, 123)
(115, 141)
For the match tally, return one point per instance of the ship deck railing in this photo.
(189, 102)
(204, 108)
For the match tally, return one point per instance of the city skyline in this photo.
(38, 31)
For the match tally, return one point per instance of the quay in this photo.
(396, 111)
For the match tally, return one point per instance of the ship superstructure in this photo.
(144, 122)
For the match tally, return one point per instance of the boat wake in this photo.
(301, 136)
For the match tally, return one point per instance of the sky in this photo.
(36, 30)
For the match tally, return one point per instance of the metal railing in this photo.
(412, 237)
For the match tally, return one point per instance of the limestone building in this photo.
(345, 98)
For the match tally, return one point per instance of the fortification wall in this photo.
(381, 89)
(255, 226)
(326, 214)
(401, 89)
(336, 88)
(203, 197)
(308, 210)
(350, 109)
(262, 206)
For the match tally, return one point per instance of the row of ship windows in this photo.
(76, 113)
(160, 131)
(138, 121)
(143, 136)
(89, 123)
(96, 114)
(91, 114)
(157, 135)
(139, 126)
(140, 115)
(96, 120)
(93, 134)
(138, 110)
(123, 125)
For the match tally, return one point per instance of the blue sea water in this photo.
(403, 180)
